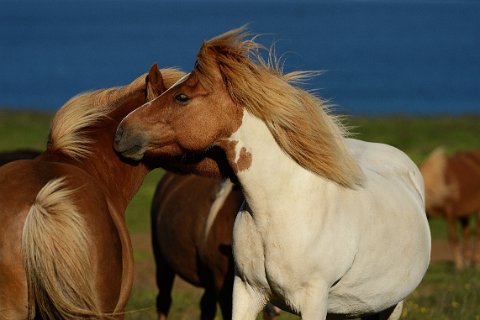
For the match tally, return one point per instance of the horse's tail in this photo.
(56, 257)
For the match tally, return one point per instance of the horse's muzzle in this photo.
(129, 145)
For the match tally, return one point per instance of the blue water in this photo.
(380, 57)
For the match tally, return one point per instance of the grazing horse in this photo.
(452, 191)
(192, 221)
(9, 156)
(65, 252)
(330, 225)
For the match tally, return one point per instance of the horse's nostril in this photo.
(118, 135)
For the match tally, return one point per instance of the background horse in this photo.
(452, 190)
(9, 156)
(192, 221)
(64, 247)
(331, 224)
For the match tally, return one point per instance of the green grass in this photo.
(443, 294)
(20, 130)
(138, 212)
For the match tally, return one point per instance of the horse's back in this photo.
(387, 161)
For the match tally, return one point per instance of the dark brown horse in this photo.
(9, 156)
(192, 223)
(452, 188)
(183, 244)
(64, 247)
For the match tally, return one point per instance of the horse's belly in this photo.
(382, 275)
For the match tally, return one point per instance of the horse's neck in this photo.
(121, 179)
(272, 175)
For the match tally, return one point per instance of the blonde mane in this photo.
(298, 120)
(68, 129)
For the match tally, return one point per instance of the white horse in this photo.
(331, 225)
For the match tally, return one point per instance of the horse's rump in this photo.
(56, 257)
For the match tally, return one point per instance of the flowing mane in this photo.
(299, 121)
(67, 132)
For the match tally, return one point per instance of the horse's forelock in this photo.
(225, 51)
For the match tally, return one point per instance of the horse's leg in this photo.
(312, 303)
(247, 302)
(454, 242)
(270, 312)
(392, 313)
(467, 252)
(225, 296)
(165, 277)
(225, 302)
(208, 304)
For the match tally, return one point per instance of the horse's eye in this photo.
(182, 98)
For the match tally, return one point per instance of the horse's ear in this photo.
(155, 85)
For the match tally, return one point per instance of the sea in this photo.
(376, 57)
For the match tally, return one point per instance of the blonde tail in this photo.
(56, 257)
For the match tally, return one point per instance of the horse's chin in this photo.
(134, 157)
(134, 153)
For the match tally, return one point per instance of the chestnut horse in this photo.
(330, 225)
(192, 223)
(65, 252)
(452, 190)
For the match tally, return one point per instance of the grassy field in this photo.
(442, 294)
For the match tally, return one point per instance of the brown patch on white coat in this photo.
(238, 162)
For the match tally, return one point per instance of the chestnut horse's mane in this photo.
(67, 132)
(299, 121)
